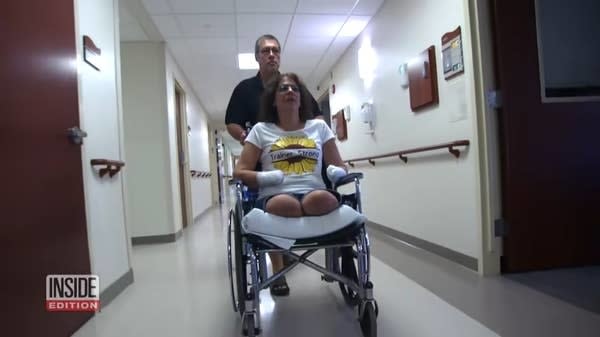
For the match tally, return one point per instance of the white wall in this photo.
(149, 195)
(101, 117)
(434, 197)
(198, 142)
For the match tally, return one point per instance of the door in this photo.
(184, 163)
(324, 106)
(550, 155)
(219, 157)
(42, 206)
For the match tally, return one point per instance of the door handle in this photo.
(76, 135)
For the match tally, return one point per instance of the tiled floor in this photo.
(181, 289)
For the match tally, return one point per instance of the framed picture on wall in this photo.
(339, 126)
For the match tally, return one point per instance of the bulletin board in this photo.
(452, 54)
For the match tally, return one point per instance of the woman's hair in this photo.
(268, 110)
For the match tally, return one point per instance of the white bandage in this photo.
(269, 178)
(334, 173)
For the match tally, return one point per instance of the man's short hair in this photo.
(262, 38)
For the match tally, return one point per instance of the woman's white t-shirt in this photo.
(298, 154)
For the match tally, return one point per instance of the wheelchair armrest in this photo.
(348, 178)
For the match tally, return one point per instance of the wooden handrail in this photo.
(112, 167)
(402, 154)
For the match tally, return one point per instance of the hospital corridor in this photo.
(181, 289)
(300, 168)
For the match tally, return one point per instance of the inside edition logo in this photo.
(72, 293)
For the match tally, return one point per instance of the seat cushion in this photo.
(284, 231)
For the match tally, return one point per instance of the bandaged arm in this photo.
(244, 169)
(336, 168)
(335, 173)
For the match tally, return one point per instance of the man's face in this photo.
(268, 55)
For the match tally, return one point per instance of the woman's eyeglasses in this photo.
(287, 87)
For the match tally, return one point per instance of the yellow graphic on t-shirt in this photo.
(294, 155)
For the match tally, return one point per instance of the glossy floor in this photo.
(182, 289)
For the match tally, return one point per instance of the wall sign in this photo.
(91, 53)
(339, 126)
(452, 54)
(422, 80)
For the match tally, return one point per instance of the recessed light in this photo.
(247, 61)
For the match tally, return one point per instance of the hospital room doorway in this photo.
(324, 106)
(547, 69)
(183, 132)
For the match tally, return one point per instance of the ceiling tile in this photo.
(215, 64)
(266, 6)
(354, 26)
(207, 25)
(335, 52)
(157, 7)
(255, 25)
(204, 36)
(317, 25)
(301, 64)
(325, 7)
(303, 70)
(246, 45)
(212, 45)
(307, 45)
(167, 25)
(202, 6)
(367, 7)
(339, 46)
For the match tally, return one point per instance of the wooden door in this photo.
(184, 161)
(550, 156)
(42, 206)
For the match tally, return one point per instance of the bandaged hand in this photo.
(269, 178)
(335, 173)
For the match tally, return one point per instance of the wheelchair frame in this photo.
(340, 263)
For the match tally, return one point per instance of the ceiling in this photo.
(205, 37)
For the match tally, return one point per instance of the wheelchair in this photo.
(252, 233)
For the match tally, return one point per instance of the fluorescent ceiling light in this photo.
(247, 61)
(354, 26)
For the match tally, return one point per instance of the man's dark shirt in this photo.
(244, 103)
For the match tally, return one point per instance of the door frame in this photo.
(183, 162)
(479, 28)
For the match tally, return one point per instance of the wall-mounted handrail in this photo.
(451, 146)
(200, 174)
(111, 167)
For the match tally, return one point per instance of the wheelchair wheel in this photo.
(349, 270)
(240, 261)
(368, 321)
(230, 263)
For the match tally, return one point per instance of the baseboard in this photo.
(113, 290)
(144, 240)
(449, 254)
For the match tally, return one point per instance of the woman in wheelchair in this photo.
(294, 211)
(291, 148)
